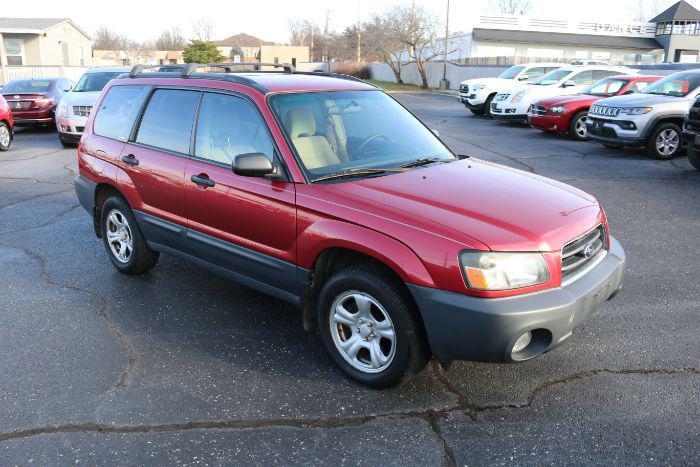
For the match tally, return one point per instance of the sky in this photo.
(268, 19)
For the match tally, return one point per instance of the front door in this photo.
(244, 224)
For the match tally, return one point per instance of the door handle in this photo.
(202, 180)
(130, 160)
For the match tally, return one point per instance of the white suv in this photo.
(477, 94)
(652, 118)
(514, 103)
(74, 108)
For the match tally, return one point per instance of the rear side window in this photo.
(117, 112)
(167, 121)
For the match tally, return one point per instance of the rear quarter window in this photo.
(117, 111)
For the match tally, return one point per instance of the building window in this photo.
(660, 28)
(276, 60)
(13, 51)
(545, 53)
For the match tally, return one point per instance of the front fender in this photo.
(325, 234)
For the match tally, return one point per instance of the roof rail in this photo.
(229, 66)
(136, 70)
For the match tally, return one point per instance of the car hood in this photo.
(502, 208)
(80, 98)
(640, 100)
(563, 100)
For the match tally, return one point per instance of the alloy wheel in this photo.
(667, 142)
(5, 136)
(119, 237)
(580, 127)
(362, 331)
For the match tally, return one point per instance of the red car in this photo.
(6, 125)
(33, 100)
(323, 191)
(567, 114)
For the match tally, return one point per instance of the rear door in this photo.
(244, 224)
(154, 161)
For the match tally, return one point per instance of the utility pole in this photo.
(325, 38)
(358, 57)
(444, 84)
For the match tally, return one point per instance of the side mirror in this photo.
(253, 164)
(568, 84)
(437, 133)
(523, 78)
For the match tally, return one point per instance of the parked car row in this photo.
(615, 106)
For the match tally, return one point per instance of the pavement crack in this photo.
(58, 217)
(34, 180)
(37, 196)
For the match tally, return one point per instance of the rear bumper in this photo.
(33, 117)
(462, 327)
(85, 189)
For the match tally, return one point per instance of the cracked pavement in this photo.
(182, 366)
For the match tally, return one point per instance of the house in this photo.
(43, 42)
(257, 50)
(136, 57)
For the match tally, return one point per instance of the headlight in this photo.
(62, 109)
(518, 96)
(477, 87)
(487, 270)
(557, 109)
(636, 110)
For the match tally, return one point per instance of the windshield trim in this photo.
(283, 130)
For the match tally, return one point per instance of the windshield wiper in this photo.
(423, 161)
(356, 172)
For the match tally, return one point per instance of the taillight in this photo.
(42, 102)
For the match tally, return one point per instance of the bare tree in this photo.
(510, 7)
(380, 38)
(305, 32)
(107, 39)
(203, 29)
(170, 39)
(643, 10)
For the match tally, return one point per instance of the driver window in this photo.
(229, 126)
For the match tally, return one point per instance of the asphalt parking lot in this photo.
(181, 366)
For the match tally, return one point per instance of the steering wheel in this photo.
(368, 140)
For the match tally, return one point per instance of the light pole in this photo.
(444, 84)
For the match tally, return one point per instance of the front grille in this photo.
(605, 110)
(579, 253)
(82, 110)
(596, 127)
(501, 96)
(464, 87)
(537, 110)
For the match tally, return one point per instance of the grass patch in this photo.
(393, 87)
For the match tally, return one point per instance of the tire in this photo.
(5, 136)
(65, 143)
(388, 310)
(671, 133)
(477, 111)
(487, 106)
(612, 146)
(694, 157)
(575, 131)
(119, 228)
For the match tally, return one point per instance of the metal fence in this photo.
(8, 73)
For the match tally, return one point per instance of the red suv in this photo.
(323, 191)
(567, 114)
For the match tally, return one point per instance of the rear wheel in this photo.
(694, 157)
(577, 126)
(665, 141)
(123, 240)
(5, 136)
(370, 326)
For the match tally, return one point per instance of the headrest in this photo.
(301, 122)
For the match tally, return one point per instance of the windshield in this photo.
(606, 87)
(340, 130)
(677, 85)
(95, 81)
(511, 72)
(553, 77)
(27, 85)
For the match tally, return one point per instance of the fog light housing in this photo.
(522, 342)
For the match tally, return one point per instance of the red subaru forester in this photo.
(323, 191)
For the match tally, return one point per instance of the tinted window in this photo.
(585, 77)
(229, 126)
(27, 85)
(115, 115)
(91, 82)
(167, 121)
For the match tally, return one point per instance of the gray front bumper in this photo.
(463, 327)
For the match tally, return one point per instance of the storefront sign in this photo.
(619, 28)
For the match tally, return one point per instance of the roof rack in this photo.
(228, 67)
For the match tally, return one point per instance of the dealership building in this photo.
(672, 35)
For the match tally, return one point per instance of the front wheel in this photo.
(476, 110)
(487, 106)
(694, 157)
(665, 141)
(577, 126)
(123, 240)
(5, 136)
(370, 326)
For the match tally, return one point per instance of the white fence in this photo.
(8, 73)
